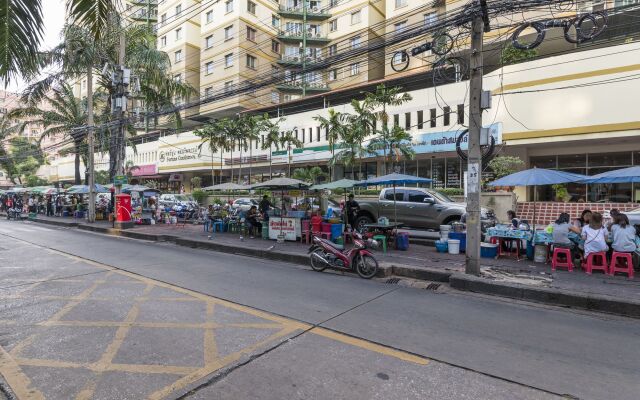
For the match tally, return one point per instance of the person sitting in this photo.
(623, 235)
(515, 222)
(594, 235)
(252, 221)
(584, 219)
(561, 229)
(612, 221)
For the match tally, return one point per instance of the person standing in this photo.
(49, 206)
(351, 208)
(264, 207)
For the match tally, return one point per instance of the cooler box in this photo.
(402, 241)
(462, 237)
(488, 250)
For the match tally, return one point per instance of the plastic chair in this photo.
(305, 232)
(557, 262)
(232, 226)
(215, 225)
(319, 232)
(597, 261)
(625, 266)
(383, 239)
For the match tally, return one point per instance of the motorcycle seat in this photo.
(330, 243)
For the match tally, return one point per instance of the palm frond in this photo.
(94, 15)
(22, 28)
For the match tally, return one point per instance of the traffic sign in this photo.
(120, 180)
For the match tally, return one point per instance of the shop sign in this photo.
(143, 170)
(179, 155)
(446, 141)
(120, 180)
(291, 227)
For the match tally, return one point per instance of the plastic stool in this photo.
(217, 224)
(233, 226)
(382, 238)
(305, 232)
(591, 262)
(556, 262)
(616, 266)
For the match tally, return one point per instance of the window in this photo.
(178, 33)
(275, 46)
(417, 196)
(208, 92)
(163, 19)
(251, 61)
(275, 21)
(208, 42)
(228, 32)
(209, 16)
(400, 26)
(178, 9)
(228, 85)
(178, 56)
(251, 7)
(355, 17)
(355, 69)
(303, 135)
(177, 78)
(333, 74)
(228, 6)
(208, 68)
(163, 41)
(251, 34)
(317, 133)
(407, 121)
(447, 115)
(430, 19)
(333, 50)
(396, 119)
(275, 71)
(275, 98)
(432, 118)
(420, 119)
(355, 42)
(460, 114)
(401, 3)
(388, 195)
(400, 58)
(228, 60)
(333, 25)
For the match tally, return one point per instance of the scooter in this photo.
(325, 254)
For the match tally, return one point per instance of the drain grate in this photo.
(392, 281)
(433, 286)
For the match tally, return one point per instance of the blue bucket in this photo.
(462, 237)
(488, 250)
(336, 231)
(442, 247)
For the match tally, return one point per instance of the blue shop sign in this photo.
(439, 142)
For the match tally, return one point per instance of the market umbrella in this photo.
(44, 190)
(538, 177)
(623, 175)
(225, 186)
(138, 188)
(84, 189)
(394, 179)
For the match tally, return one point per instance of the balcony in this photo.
(296, 86)
(313, 13)
(152, 3)
(311, 36)
(141, 15)
(293, 61)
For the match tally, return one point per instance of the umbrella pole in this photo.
(535, 199)
(395, 209)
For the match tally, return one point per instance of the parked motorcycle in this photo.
(324, 254)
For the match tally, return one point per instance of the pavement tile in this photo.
(116, 290)
(29, 310)
(100, 310)
(59, 288)
(162, 346)
(114, 385)
(58, 383)
(158, 292)
(172, 311)
(70, 343)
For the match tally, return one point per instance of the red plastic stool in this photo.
(556, 262)
(592, 264)
(617, 266)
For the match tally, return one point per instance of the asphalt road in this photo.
(103, 317)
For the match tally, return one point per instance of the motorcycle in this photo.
(325, 254)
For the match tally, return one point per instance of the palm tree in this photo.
(212, 135)
(333, 125)
(67, 115)
(310, 175)
(287, 140)
(23, 24)
(7, 129)
(365, 121)
(271, 138)
(398, 141)
(352, 137)
(251, 127)
(385, 96)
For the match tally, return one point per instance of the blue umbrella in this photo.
(538, 177)
(394, 179)
(623, 175)
(84, 189)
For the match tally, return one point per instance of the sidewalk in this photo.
(507, 277)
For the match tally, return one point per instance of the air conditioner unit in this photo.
(318, 34)
(315, 9)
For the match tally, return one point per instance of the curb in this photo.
(564, 298)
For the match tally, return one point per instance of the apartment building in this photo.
(142, 11)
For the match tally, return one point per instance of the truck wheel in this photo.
(361, 221)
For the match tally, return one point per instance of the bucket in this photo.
(462, 237)
(444, 232)
(540, 254)
(441, 246)
(454, 246)
(402, 241)
(488, 250)
(336, 231)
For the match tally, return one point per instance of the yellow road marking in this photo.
(17, 380)
(210, 346)
(370, 346)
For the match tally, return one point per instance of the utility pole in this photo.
(474, 169)
(123, 82)
(91, 216)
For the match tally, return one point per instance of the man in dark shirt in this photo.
(351, 209)
(265, 204)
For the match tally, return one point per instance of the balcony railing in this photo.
(297, 86)
(142, 14)
(311, 36)
(297, 12)
(297, 60)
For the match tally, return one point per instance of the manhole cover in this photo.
(392, 281)
(433, 286)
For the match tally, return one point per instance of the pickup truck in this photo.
(417, 208)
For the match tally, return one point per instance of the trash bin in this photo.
(265, 229)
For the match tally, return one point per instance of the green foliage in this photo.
(34, 180)
(505, 165)
(199, 195)
(22, 29)
(217, 200)
(311, 175)
(511, 55)
(26, 157)
(102, 177)
(451, 191)
(196, 182)
(562, 194)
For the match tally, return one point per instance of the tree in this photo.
(271, 138)
(511, 55)
(67, 115)
(287, 140)
(249, 128)
(383, 97)
(129, 168)
(311, 175)
(102, 177)
(213, 136)
(8, 127)
(505, 165)
(333, 126)
(398, 141)
(27, 157)
(363, 122)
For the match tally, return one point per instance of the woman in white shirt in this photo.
(594, 235)
(623, 235)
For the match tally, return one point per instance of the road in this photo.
(85, 316)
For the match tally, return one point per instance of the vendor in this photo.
(252, 220)
(265, 205)
(515, 222)
(351, 209)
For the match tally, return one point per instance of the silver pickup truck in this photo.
(417, 208)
